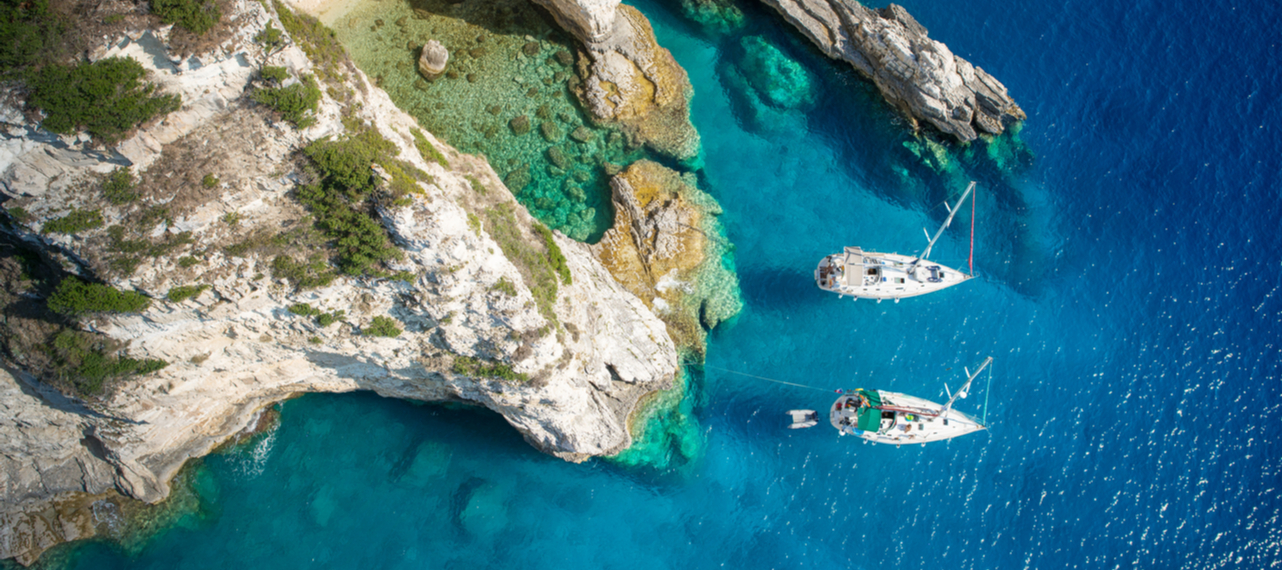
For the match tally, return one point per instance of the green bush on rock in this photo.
(106, 98)
(198, 16)
(84, 362)
(75, 222)
(382, 326)
(296, 103)
(477, 368)
(118, 188)
(185, 292)
(75, 297)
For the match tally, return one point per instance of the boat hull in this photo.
(900, 418)
(874, 275)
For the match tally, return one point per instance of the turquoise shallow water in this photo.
(1128, 252)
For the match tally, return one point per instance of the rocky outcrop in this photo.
(47, 450)
(432, 59)
(916, 74)
(589, 20)
(666, 247)
(627, 79)
(575, 371)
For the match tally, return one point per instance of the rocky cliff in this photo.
(627, 79)
(478, 325)
(916, 74)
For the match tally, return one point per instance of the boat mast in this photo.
(952, 212)
(944, 411)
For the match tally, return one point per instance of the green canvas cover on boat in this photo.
(870, 418)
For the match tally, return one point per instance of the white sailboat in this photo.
(873, 275)
(890, 417)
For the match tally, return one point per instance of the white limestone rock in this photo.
(432, 59)
(236, 348)
(916, 74)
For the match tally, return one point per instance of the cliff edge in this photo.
(478, 304)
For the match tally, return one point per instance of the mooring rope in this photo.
(767, 379)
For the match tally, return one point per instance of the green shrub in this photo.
(187, 261)
(19, 214)
(323, 318)
(337, 201)
(319, 43)
(327, 319)
(119, 244)
(303, 274)
(125, 265)
(477, 186)
(75, 222)
(82, 360)
(429, 152)
(303, 309)
(232, 219)
(171, 243)
(29, 34)
(106, 98)
(314, 339)
(476, 368)
(346, 164)
(185, 292)
(404, 181)
(296, 103)
(275, 74)
(75, 297)
(535, 266)
(382, 326)
(118, 188)
(198, 16)
(503, 285)
(474, 223)
(553, 252)
(209, 181)
(270, 37)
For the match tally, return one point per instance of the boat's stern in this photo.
(829, 273)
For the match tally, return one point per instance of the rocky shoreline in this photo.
(468, 312)
(474, 324)
(917, 75)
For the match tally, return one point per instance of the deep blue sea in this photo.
(1128, 259)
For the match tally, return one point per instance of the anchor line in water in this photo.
(767, 379)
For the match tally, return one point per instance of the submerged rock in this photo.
(433, 59)
(916, 74)
(721, 16)
(780, 81)
(519, 125)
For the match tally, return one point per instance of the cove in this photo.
(1127, 255)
